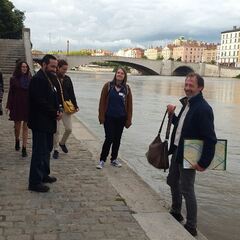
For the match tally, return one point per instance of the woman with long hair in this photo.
(115, 112)
(17, 103)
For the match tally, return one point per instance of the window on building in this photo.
(226, 42)
(222, 41)
(233, 53)
(226, 35)
(235, 40)
(229, 46)
(230, 35)
(225, 54)
(229, 54)
(223, 36)
(225, 47)
(234, 46)
(230, 40)
(221, 54)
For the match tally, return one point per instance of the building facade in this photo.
(189, 52)
(153, 53)
(210, 53)
(167, 52)
(230, 47)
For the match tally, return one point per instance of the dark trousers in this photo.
(42, 144)
(182, 182)
(113, 132)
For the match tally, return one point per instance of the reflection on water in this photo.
(151, 94)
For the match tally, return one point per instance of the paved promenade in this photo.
(85, 203)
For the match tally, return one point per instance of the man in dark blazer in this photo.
(195, 121)
(43, 114)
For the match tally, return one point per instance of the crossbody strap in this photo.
(60, 85)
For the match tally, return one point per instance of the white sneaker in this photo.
(116, 163)
(100, 165)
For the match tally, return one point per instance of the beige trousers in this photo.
(67, 123)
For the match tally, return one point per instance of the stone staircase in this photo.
(10, 51)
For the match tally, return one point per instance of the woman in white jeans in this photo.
(65, 91)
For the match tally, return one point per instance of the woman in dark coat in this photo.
(17, 103)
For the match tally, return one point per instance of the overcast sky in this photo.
(115, 24)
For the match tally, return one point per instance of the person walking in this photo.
(17, 103)
(65, 91)
(115, 112)
(44, 112)
(195, 121)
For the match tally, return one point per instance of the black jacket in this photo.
(1, 87)
(43, 104)
(68, 91)
(198, 124)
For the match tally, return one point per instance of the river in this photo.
(218, 192)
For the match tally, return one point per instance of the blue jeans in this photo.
(42, 144)
(182, 182)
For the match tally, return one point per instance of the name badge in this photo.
(121, 94)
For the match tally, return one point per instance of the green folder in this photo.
(193, 151)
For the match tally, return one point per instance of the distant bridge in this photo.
(150, 67)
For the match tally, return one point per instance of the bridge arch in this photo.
(182, 71)
(144, 70)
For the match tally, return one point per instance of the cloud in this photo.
(112, 24)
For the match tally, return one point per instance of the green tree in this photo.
(160, 58)
(11, 20)
(213, 62)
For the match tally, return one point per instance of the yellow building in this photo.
(210, 53)
(153, 53)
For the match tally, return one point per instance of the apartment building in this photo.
(189, 52)
(230, 47)
(131, 52)
(153, 53)
(167, 52)
(210, 53)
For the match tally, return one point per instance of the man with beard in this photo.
(44, 112)
(195, 121)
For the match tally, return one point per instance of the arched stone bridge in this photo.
(148, 67)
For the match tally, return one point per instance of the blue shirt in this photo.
(116, 103)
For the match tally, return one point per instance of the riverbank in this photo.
(147, 207)
(84, 203)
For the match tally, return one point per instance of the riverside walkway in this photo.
(84, 203)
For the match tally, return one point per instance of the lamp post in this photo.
(67, 47)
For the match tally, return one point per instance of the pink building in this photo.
(189, 52)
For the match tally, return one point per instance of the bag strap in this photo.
(168, 125)
(60, 85)
(160, 130)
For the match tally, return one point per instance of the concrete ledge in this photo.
(146, 205)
